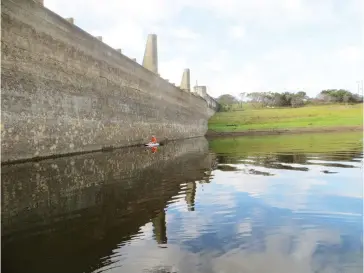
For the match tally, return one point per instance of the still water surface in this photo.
(258, 204)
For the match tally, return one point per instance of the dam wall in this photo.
(64, 91)
(200, 91)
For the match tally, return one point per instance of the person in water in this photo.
(153, 140)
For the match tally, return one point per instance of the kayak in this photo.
(151, 144)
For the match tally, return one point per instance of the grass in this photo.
(309, 143)
(288, 118)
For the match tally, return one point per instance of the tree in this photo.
(302, 94)
(300, 98)
(275, 99)
(226, 101)
(242, 97)
(256, 97)
(297, 101)
(339, 96)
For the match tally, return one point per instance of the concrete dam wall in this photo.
(64, 91)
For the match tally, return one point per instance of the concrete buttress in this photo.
(150, 60)
(185, 83)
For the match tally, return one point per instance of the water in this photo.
(263, 204)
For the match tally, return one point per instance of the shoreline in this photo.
(302, 130)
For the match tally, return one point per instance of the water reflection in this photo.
(68, 214)
(236, 208)
(159, 227)
(287, 160)
(190, 195)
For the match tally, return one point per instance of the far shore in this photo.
(259, 132)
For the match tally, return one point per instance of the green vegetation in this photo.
(287, 118)
(288, 99)
(308, 143)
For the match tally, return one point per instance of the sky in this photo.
(235, 46)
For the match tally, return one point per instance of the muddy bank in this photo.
(251, 132)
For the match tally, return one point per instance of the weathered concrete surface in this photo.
(63, 91)
(201, 92)
(77, 209)
(211, 104)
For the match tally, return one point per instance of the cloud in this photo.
(185, 34)
(218, 62)
(236, 32)
(350, 54)
(173, 69)
(235, 45)
(272, 14)
(127, 36)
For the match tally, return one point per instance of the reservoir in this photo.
(290, 203)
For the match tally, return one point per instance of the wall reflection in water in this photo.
(66, 214)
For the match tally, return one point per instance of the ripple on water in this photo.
(265, 204)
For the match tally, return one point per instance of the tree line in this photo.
(288, 99)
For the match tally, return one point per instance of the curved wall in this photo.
(64, 91)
